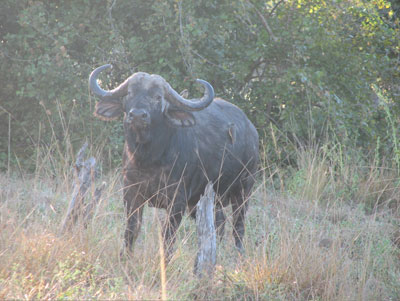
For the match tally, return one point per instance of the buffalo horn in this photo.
(118, 92)
(191, 104)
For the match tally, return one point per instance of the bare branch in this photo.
(264, 22)
(276, 5)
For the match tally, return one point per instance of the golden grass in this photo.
(309, 243)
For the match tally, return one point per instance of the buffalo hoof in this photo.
(125, 253)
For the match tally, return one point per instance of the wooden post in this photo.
(207, 242)
(85, 173)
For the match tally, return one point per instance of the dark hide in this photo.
(170, 155)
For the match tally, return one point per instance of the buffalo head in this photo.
(146, 101)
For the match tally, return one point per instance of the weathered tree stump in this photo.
(207, 242)
(77, 209)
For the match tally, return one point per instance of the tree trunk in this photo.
(78, 211)
(206, 256)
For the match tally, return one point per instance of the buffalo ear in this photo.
(108, 109)
(179, 118)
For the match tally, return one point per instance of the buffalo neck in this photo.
(152, 152)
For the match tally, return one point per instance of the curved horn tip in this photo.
(94, 86)
(207, 84)
(106, 66)
(96, 71)
(201, 81)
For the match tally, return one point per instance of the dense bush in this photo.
(302, 70)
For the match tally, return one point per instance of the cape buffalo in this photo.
(174, 146)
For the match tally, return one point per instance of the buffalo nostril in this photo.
(138, 114)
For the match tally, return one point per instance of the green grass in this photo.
(330, 232)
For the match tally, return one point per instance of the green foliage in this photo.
(306, 67)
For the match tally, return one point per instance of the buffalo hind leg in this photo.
(219, 220)
(239, 208)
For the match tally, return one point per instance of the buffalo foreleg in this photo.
(134, 212)
(173, 221)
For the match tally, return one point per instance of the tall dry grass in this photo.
(301, 245)
(329, 231)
